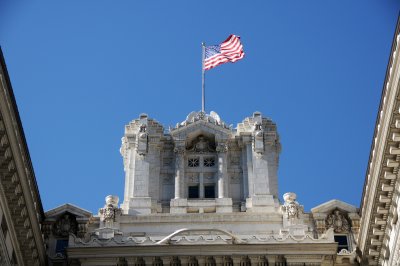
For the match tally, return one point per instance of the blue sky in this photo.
(81, 70)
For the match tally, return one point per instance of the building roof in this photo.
(19, 196)
(377, 209)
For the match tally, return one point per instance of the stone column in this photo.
(201, 185)
(184, 260)
(249, 160)
(148, 261)
(179, 170)
(236, 260)
(166, 260)
(201, 260)
(245, 182)
(222, 149)
(218, 260)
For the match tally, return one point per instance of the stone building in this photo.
(379, 240)
(21, 211)
(203, 193)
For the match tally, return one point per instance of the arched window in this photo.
(201, 169)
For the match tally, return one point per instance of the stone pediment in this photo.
(198, 121)
(67, 208)
(331, 205)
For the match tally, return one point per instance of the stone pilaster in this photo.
(260, 197)
(179, 170)
(245, 181)
(179, 203)
(249, 160)
(223, 202)
(222, 150)
(319, 219)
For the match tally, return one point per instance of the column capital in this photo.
(222, 147)
(179, 150)
(247, 139)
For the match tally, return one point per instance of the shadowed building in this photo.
(21, 211)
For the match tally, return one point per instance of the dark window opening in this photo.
(193, 192)
(209, 192)
(61, 245)
(194, 162)
(209, 162)
(4, 226)
(13, 259)
(342, 243)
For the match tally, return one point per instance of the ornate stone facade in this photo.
(204, 193)
(236, 169)
(379, 231)
(21, 211)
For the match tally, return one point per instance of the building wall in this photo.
(21, 241)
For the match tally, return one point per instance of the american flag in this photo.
(231, 50)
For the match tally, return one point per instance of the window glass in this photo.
(209, 191)
(342, 242)
(13, 259)
(193, 192)
(193, 162)
(61, 245)
(4, 226)
(209, 162)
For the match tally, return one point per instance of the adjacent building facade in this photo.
(21, 211)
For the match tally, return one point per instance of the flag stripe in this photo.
(231, 50)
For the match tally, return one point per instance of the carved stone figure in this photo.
(201, 145)
(258, 127)
(258, 143)
(291, 207)
(338, 222)
(110, 211)
(142, 128)
(65, 225)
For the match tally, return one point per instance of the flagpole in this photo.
(203, 100)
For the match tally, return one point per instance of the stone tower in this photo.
(201, 165)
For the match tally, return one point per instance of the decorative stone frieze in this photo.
(212, 118)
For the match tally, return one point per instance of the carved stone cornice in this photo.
(19, 196)
(383, 166)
